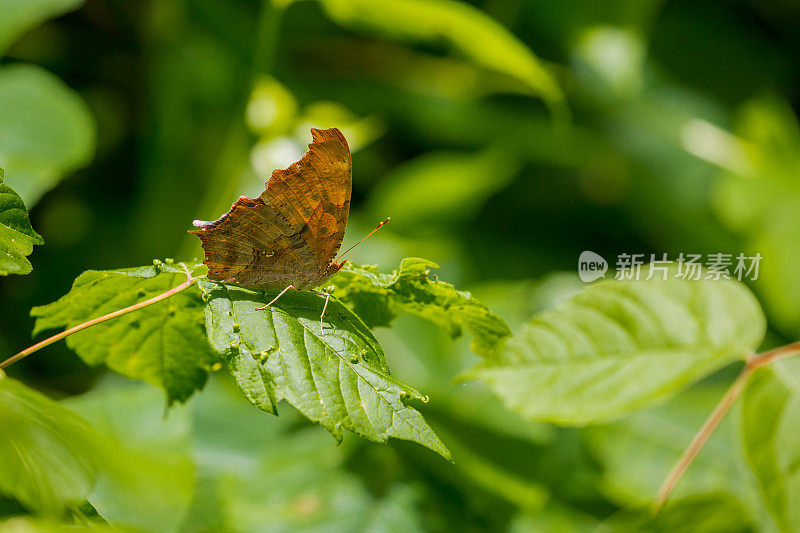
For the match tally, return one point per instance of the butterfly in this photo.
(287, 237)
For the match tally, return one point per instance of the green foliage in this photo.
(622, 345)
(46, 452)
(674, 148)
(17, 236)
(46, 130)
(163, 344)
(465, 29)
(145, 458)
(340, 379)
(711, 512)
(377, 298)
(20, 16)
(757, 196)
(31, 525)
(481, 175)
(770, 420)
(53, 459)
(638, 452)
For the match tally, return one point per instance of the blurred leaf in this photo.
(163, 344)
(339, 379)
(147, 460)
(757, 196)
(377, 298)
(19, 16)
(301, 485)
(271, 108)
(619, 346)
(553, 518)
(438, 188)
(17, 236)
(639, 451)
(47, 453)
(464, 28)
(33, 525)
(770, 421)
(46, 130)
(396, 512)
(709, 513)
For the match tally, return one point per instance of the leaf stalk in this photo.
(716, 416)
(93, 322)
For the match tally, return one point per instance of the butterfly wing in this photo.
(289, 234)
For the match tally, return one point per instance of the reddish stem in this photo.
(716, 417)
(135, 307)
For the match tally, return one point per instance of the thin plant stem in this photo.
(135, 307)
(711, 423)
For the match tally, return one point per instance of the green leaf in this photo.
(20, 16)
(46, 130)
(619, 346)
(46, 452)
(771, 435)
(340, 380)
(465, 29)
(377, 298)
(31, 525)
(709, 513)
(638, 452)
(163, 344)
(757, 194)
(17, 236)
(147, 460)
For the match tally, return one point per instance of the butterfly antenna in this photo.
(382, 224)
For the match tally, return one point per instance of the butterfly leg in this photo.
(324, 308)
(276, 298)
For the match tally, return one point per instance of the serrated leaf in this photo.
(340, 380)
(465, 29)
(619, 346)
(163, 344)
(771, 434)
(20, 16)
(46, 130)
(17, 236)
(46, 451)
(377, 298)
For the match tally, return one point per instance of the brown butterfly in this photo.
(286, 238)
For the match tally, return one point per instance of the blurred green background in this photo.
(503, 137)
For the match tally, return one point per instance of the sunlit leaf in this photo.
(163, 344)
(46, 131)
(340, 380)
(619, 346)
(377, 298)
(771, 435)
(47, 453)
(19, 16)
(17, 236)
(465, 29)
